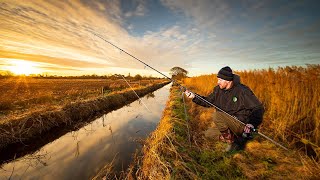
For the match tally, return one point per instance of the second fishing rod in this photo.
(184, 89)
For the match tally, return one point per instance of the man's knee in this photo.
(219, 120)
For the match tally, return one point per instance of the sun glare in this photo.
(23, 68)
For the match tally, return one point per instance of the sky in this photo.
(61, 37)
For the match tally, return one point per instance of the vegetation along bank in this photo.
(22, 131)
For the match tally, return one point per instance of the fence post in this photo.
(102, 91)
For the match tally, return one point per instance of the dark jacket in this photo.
(238, 101)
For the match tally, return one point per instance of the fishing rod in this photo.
(132, 56)
(235, 118)
(184, 89)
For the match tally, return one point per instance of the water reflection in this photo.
(81, 154)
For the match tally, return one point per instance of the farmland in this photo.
(21, 96)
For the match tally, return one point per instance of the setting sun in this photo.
(20, 67)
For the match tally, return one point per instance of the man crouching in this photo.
(232, 99)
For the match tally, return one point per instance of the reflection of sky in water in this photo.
(81, 154)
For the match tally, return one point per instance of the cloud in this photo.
(140, 9)
(208, 32)
(60, 33)
(205, 13)
(50, 60)
(250, 32)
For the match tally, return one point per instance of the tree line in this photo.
(8, 74)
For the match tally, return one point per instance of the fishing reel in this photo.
(251, 134)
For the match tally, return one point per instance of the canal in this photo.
(81, 154)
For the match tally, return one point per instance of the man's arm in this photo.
(256, 116)
(210, 98)
(253, 103)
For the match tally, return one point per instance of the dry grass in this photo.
(260, 160)
(107, 171)
(285, 99)
(168, 153)
(157, 143)
(175, 150)
(264, 161)
(28, 127)
(291, 99)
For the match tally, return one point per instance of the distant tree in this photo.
(7, 74)
(129, 76)
(138, 77)
(178, 73)
(113, 77)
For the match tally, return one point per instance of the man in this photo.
(238, 101)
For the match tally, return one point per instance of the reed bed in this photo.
(291, 98)
(178, 149)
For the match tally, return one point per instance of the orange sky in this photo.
(55, 37)
(199, 36)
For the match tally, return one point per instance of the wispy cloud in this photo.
(253, 32)
(205, 13)
(140, 9)
(60, 33)
(208, 33)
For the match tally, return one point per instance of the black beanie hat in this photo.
(226, 73)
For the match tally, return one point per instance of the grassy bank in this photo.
(36, 124)
(177, 149)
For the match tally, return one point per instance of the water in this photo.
(81, 154)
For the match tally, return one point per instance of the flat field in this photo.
(21, 96)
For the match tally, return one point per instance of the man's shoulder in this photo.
(217, 89)
(243, 88)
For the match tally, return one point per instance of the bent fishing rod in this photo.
(184, 89)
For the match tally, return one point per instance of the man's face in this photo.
(222, 83)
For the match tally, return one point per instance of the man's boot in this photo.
(238, 144)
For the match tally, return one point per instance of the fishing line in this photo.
(186, 115)
(184, 89)
(135, 93)
(132, 56)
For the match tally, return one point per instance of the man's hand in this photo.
(248, 128)
(189, 94)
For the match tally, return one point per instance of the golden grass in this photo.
(154, 166)
(168, 154)
(291, 98)
(175, 150)
(160, 154)
(21, 96)
(261, 159)
(28, 127)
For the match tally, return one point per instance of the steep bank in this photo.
(71, 116)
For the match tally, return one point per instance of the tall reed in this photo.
(291, 97)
